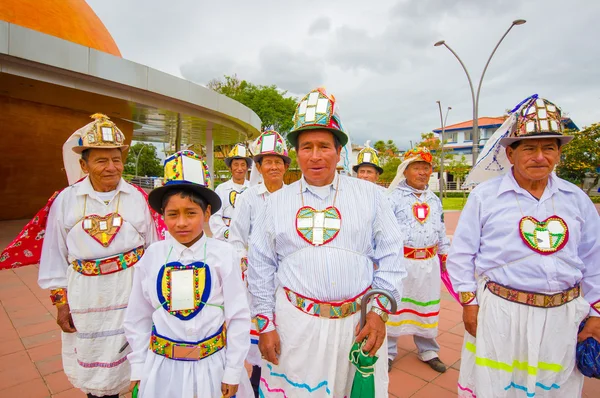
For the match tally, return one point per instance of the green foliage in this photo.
(581, 157)
(433, 143)
(148, 164)
(274, 109)
(458, 168)
(389, 169)
(453, 203)
(387, 151)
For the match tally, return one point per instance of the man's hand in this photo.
(591, 329)
(228, 390)
(63, 318)
(374, 332)
(470, 318)
(269, 346)
(133, 384)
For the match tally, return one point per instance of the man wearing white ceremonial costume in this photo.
(321, 236)
(525, 251)
(97, 229)
(367, 165)
(420, 215)
(238, 161)
(271, 162)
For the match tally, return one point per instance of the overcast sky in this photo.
(376, 57)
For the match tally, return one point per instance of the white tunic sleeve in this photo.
(443, 241)
(138, 319)
(217, 225)
(240, 225)
(53, 261)
(237, 318)
(465, 246)
(589, 253)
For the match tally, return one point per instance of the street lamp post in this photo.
(475, 98)
(443, 122)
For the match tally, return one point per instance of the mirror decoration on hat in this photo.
(270, 142)
(101, 133)
(317, 109)
(537, 116)
(187, 166)
(238, 151)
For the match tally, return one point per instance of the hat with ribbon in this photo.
(239, 151)
(317, 110)
(270, 142)
(186, 171)
(537, 118)
(367, 157)
(413, 155)
(102, 133)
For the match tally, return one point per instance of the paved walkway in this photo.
(30, 362)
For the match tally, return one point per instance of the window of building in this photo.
(468, 135)
(451, 137)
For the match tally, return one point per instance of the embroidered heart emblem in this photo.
(544, 237)
(183, 289)
(318, 227)
(103, 229)
(421, 211)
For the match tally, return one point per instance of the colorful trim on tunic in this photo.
(202, 287)
(322, 309)
(515, 365)
(596, 306)
(420, 253)
(105, 365)
(109, 265)
(188, 351)
(532, 299)
(304, 386)
(58, 296)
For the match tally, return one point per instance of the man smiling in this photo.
(525, 250)
(238, 162)
(321, 235)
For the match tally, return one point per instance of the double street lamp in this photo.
(443, 122)
(475, 98)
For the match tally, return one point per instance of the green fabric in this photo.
(134, 393)
(363, 385)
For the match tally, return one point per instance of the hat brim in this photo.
(564, 139)
(231, 159)
(258, 158)
(292, 136)
(155, 197)
(358, 166)
(79, 149)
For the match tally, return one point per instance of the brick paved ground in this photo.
(30, 363)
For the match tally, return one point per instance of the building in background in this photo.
(59, 65)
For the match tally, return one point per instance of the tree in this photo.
(148, 163)
(386, 151)
(274, 109)
(459, 169)
(581, 157)
(433, 143)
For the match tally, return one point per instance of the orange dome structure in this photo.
(72, 20)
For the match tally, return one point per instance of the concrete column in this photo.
(210, 152)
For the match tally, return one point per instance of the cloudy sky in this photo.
(376, 57)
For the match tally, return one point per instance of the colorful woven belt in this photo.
(420, 253)
(331, 310)
(532, 299)
(108, 265)
(185, 351)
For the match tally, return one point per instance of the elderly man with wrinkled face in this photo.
(525, 251)
(311, 259)
(97, 229)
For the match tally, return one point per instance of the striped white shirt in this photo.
(221, 220)
(338, 270)
(247, 208)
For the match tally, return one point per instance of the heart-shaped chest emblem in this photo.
(103, 229)
(544, 237)
(183, 289)
(318, 227)
(421, 211)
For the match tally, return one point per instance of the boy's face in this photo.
(185, 219)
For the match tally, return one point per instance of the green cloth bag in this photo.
(363, 385)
